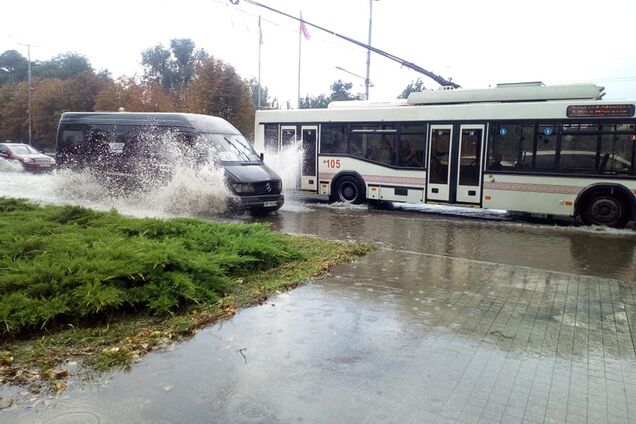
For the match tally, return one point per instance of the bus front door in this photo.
(309, 141)
(288, 144)
(469, 164)
(438, 177)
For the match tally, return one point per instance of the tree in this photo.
(13, 67)
(173, 69)
(218, 90)
(340, 91)
(127, 93)
(320, 101)
(52, 97)
(255, 88)
(63, 66)
(14, 123)
(417, 85)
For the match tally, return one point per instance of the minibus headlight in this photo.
(243, 188)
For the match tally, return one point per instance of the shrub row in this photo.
(68, 264)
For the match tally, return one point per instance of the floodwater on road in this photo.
(454, 319)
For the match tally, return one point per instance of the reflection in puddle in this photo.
(392, 336)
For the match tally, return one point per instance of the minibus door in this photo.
(469, 163)
(309, 141)
(439, 155)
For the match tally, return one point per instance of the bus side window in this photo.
(503, 152)
(411, 151)
(332, 139)
(525, 161)
(616, 153)
(545, 158)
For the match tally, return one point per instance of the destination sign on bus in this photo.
(600, 111)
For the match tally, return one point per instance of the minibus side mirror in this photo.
(262, 155)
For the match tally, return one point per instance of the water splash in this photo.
(195, 185)
(10, 166)
(286, 163)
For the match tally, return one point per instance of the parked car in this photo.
(27, 156)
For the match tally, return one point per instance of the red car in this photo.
(31, 159)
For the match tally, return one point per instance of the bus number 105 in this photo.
(333, 163)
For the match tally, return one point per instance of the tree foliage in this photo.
(340, 91)
(173, 68)
(178, 79)
(255, 88)
(13, 67)
(64, 66)
(414, 86)
(132, 96)
(218, 90)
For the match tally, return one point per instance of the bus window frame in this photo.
(558, 123)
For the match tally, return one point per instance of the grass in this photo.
(104, 288)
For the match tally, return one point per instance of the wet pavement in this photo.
(454, 319)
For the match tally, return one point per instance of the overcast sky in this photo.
(476, 43)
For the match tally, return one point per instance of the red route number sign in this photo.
(332, 163)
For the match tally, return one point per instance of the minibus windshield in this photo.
(230, 147)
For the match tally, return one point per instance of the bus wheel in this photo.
(349, 190)
(605, 209)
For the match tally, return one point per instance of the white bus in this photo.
(527, 147)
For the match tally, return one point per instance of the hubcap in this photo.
(605, 211)
(348, 192)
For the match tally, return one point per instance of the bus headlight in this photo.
(243, 188)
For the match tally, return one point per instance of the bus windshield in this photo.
(230, 147)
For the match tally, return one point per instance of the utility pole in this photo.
(260, 44)
(367, 81)
(30, 89)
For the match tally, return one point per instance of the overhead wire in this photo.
(437, 78)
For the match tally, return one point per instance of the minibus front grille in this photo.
(267, 187)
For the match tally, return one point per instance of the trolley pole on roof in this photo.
(438, 79)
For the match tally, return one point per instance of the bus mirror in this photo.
(262, 155)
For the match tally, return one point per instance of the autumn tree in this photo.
(14, 122)
(218, 90)
(52, 97)
(132, 96)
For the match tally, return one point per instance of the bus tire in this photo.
(605, 209)
(348, 189)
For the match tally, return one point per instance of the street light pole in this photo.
(30, 90)
(30, 95)
(367, 81)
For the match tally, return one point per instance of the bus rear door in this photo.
(455, 163)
